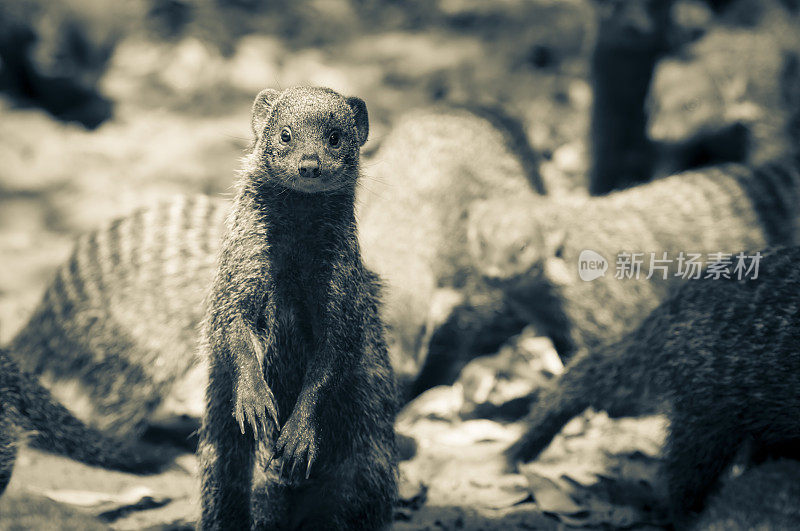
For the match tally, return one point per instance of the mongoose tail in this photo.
(26, 405)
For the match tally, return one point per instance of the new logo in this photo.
(591, 265)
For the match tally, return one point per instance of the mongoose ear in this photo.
(362, 119)
(261, 108)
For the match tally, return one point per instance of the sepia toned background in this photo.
(106, 107)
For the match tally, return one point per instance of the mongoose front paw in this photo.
(256, 405)
(297, 444)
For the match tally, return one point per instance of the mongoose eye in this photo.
(286, 135)
(334, 139)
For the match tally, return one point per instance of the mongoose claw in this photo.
(311, 458)
(297, 446)
(256, 406)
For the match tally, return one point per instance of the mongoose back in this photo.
(721, 353)
(763, 497)
(26, 406)
(298, 364)
(117, 327)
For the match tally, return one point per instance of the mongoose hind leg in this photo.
(226, 458)
(367, 490)
(353, 494)
(551, 412)
(591, 380)
(9, 433)
(353, 486)
(699, 448)
(270, 496)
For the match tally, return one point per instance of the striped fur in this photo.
(117, 326)
(531, 249)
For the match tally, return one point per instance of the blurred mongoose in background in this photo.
(723, 354)
(298, 365)
(116, 330)
(763, 497)
(531, 249)
(25, 406)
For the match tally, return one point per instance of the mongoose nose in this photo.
(309, 168)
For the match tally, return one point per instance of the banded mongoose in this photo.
(722, 354)
(762, 497)
(115, 331)
(25, 406)
(298, 365)
(530, 250)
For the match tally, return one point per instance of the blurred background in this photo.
(106, 106)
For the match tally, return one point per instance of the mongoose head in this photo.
(505, 243)
(308, 139)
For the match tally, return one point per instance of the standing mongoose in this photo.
(298, 365)
(722, 354)
(25, 406)
(125, 306)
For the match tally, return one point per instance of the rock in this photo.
(411, 494)
(571, 158)
(443, 402)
